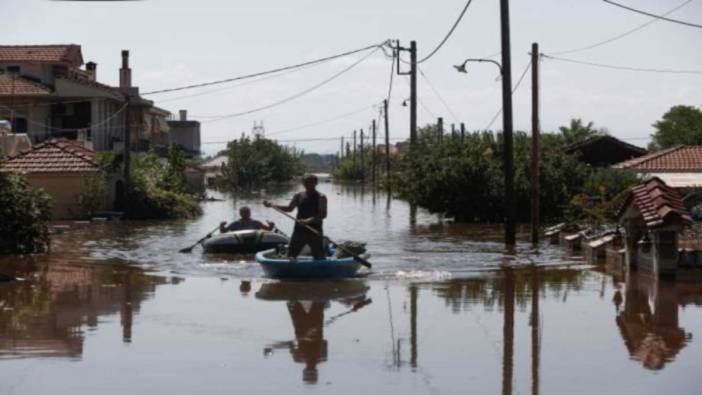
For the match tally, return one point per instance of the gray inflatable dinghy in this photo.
(244, 242)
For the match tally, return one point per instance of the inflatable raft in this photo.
(304, 267)
(244, 242)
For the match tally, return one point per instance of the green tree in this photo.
(25, 213)
(680, 125)
(578, 131)
(259, 161)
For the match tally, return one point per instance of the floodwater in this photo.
(115, 309)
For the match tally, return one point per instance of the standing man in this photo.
(311, 210)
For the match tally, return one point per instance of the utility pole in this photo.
(373, 165)
(463, 132)
(535, 145)
(453, 131)
(363, 161)
(387, 144)
(348, 149)
(354, 148)
(440, 129)
(413, 88)
(127, 154)
(341, 151)
(510, 226)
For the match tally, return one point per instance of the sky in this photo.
(181, 42)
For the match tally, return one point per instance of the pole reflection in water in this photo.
(306, 303)
(413, 325)
(508, 331)
(534, 321)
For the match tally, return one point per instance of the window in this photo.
(20, 125)
(13, 70)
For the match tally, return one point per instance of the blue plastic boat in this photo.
(306, 267)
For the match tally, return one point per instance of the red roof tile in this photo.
(658, 204)
(22, 86)
(65, 54)
(678, 158)
(52, 156)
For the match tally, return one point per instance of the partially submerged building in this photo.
(63, 169)
(604, 151)
(653, 215)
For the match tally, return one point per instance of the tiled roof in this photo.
(66, 54)
(52, 156)
(22, 86)
(658, 204)
(678, 158)
(94, 84)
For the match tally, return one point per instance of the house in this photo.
(12, 143)
(214, 169)
(62, 168)
(604, 151)
(45, 93)
(653, 216)
(185, 134)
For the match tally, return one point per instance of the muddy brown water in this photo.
(115, 309)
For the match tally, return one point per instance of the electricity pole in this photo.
(413, 88)
(387, 143)
(363, 162)
(510, 226)
(535, 145)
(373, 156)
(440, 129)
(341, 151)
(354, 148)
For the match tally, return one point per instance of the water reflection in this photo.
(649, 319)
(306, 303)
(46, 314)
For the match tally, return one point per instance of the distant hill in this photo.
(317, 163)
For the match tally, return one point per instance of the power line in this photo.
(438, 95)
(622, 35)
(627, 68)
(312, 139)
(297, 95)
(519, 82)
(277, 70)
(448, 35)
(653, 15)
(309, 125)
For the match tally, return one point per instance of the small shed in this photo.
(653, 215)
(604, 151)
(61, 167)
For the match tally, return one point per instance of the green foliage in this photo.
(259, 161)
(680, 125)
(158, 188)
(93, 197)
(25, 213)
(578, 131)
(465, 179)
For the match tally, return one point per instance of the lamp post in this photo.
(508, 160)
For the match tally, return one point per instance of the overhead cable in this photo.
(621, 35)
(626, 68)
(276, 70)
(438, 95)
(296, 95)
(448, 35)
(516, 86)
(661, 17)
(322, 122)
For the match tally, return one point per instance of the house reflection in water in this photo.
(648, 319)
(306, 303)
(44, 316)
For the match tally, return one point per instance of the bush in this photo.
(158, 189)
(25, 214)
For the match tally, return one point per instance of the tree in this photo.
(25, 213)
(578, 131)
(259, 161)
(680, 125)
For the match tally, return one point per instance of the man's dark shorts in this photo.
(301, 238)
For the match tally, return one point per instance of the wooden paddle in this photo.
(188, 250)
(357, 258)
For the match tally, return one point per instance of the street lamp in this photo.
(510, 211)
(463, 69)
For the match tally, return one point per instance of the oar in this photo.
(190, 249)
(314, 231)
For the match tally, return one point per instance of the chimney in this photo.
(183, 115)
(125, 73)
(91, 68)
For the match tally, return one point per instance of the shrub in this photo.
(25, 214)
(259, 161)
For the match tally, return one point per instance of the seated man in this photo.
(245, 223)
